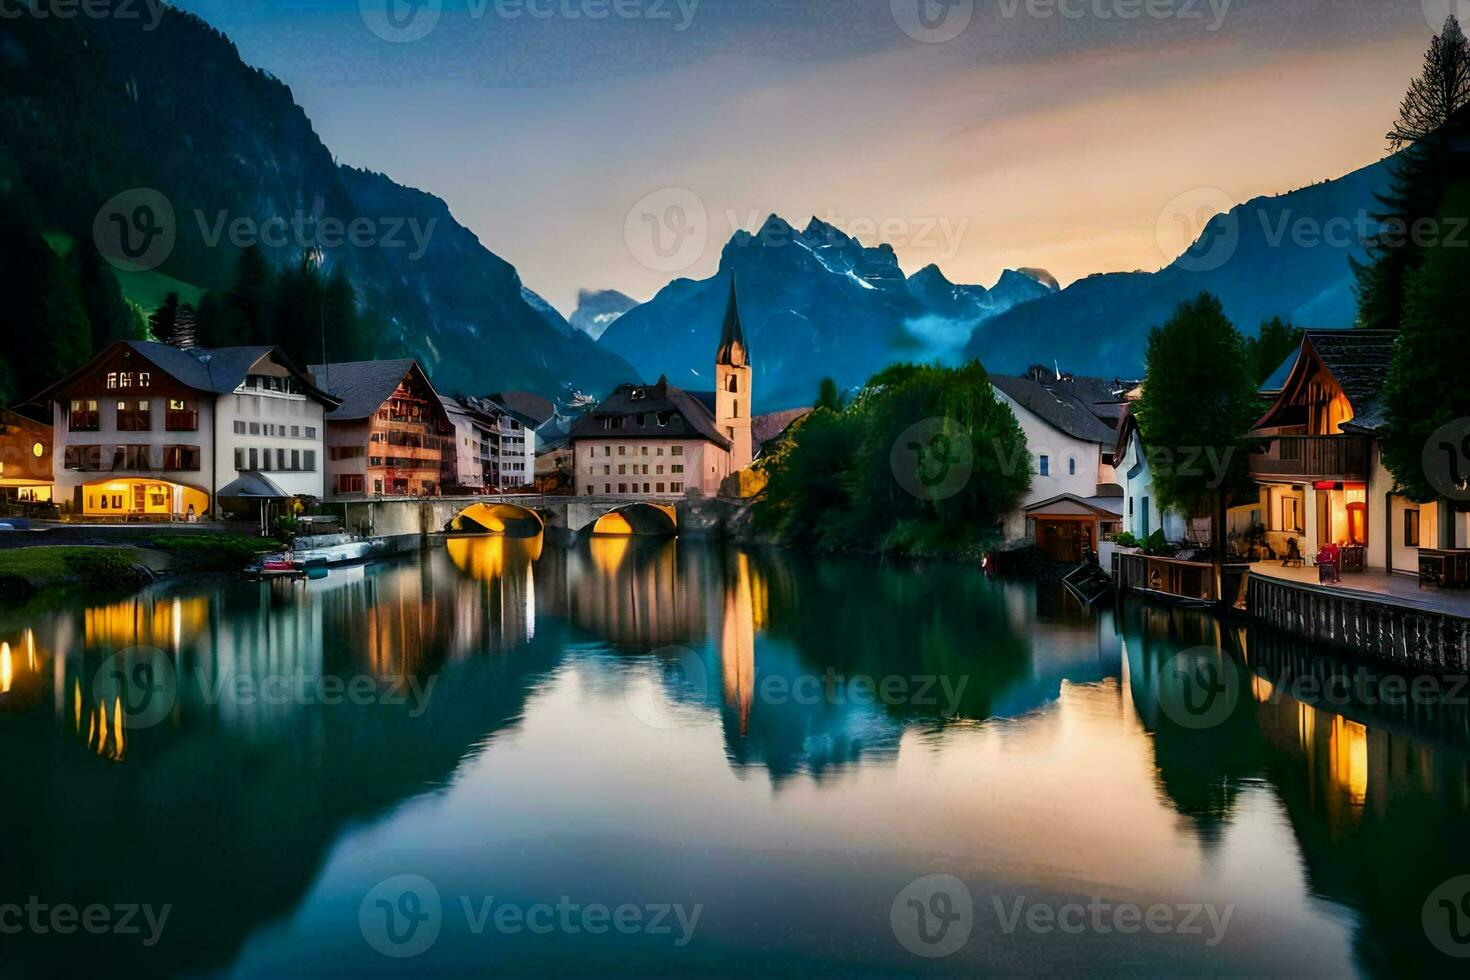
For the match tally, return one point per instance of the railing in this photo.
(1343, 457)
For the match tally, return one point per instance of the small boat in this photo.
(278, 566)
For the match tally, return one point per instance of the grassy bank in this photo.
(26, 571)
(211, 552)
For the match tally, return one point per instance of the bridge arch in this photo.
(498, 518)
(654, 520)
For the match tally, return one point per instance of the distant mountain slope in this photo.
(1289, 258)
(814, 303)
(94, 106)
(598, 308)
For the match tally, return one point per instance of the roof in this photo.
(1101, 506)
(219, 370)
(1056, 404)
(363, 386)
(1357, 360)
(732, 349)
(683, 415)
(528, 407)
(1273, 384)
(253, 484)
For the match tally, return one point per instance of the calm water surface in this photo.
(689, 739)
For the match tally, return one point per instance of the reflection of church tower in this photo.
(732, 385)
(737, 643)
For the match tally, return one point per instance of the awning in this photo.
(254, 486)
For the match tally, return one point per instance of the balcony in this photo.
(1309, 458)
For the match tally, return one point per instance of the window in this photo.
(295, 432)
(659, 487)
(255, 428)
(607, 471)
(622, 488)
(676, 487)
(84, 416)
(349, 483)
(184, 458)
(309, 460)
(677, 451)
(677, 468)
(1411, 528)
(131, 458)
(607, 488)
(180, 417)
(1071, 465)
(622, 450)
(254, 464)
(1043, 465)
(607, 450)
(659, 470)
(622, 469)
(642, 450)
(378, 487)
(239, 427)
(239, 459)
(87, 459)
(310, 432)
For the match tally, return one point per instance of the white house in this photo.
(1074, 498)
(151, 431)
(1142, 512)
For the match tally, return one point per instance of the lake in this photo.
(644, 756)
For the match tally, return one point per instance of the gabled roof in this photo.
(1101, 506)
(363, 386)
(1055, 405)
(684, 416)
(219, 370)
(733, 349)
(1357, 360)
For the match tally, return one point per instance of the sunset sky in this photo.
(1050, 133)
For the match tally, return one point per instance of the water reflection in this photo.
(1022, 742)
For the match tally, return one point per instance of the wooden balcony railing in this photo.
(1314, 457)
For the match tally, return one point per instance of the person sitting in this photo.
(1328, 564)
(1293, 554)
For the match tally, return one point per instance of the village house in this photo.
(651, 440)
(1142, 513)
(150, 431)
(1070, 426)
(390, 436)
(1320, 475)
(475, 463)
(25, 459)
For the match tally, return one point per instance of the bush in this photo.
(212, 551)
(107, 568)
(1157, 544)
(1125, 540)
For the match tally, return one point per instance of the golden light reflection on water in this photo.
(737, 643)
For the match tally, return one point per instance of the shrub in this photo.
(1125, 540)
(107, 568)
(1157, 544)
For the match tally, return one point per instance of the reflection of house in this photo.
(149, 430)
(1320, 475)
(1069, 425)
(659, 439)
(390, 435)
(25, 458)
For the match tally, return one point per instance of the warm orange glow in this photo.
(7, 670)
(614, 523)
(1349, 758)
(737, 644)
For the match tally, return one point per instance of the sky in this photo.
(618, 143)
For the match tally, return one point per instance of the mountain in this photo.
(1285, 255)
(93, 109)
(814, 303)
(598, 308)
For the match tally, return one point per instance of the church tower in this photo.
(732, 385)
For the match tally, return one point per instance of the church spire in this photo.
(732, 338)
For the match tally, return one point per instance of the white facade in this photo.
(648, 467)
(1060, 464)
(1142, 512)
(131, 441)
(517, 453)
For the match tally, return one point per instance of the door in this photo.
(1143, 519)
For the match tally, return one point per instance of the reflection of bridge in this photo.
(529, 513)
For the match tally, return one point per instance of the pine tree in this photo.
(247, 301)
(1266, 351)
(1434, 112)
(44, 332)
(111, 316)
(162, 321)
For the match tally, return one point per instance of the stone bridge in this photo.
(561, 516)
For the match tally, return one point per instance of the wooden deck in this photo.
(1401, 590)
(1374, 615)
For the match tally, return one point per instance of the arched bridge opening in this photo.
(650, 520)
(511, 520)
